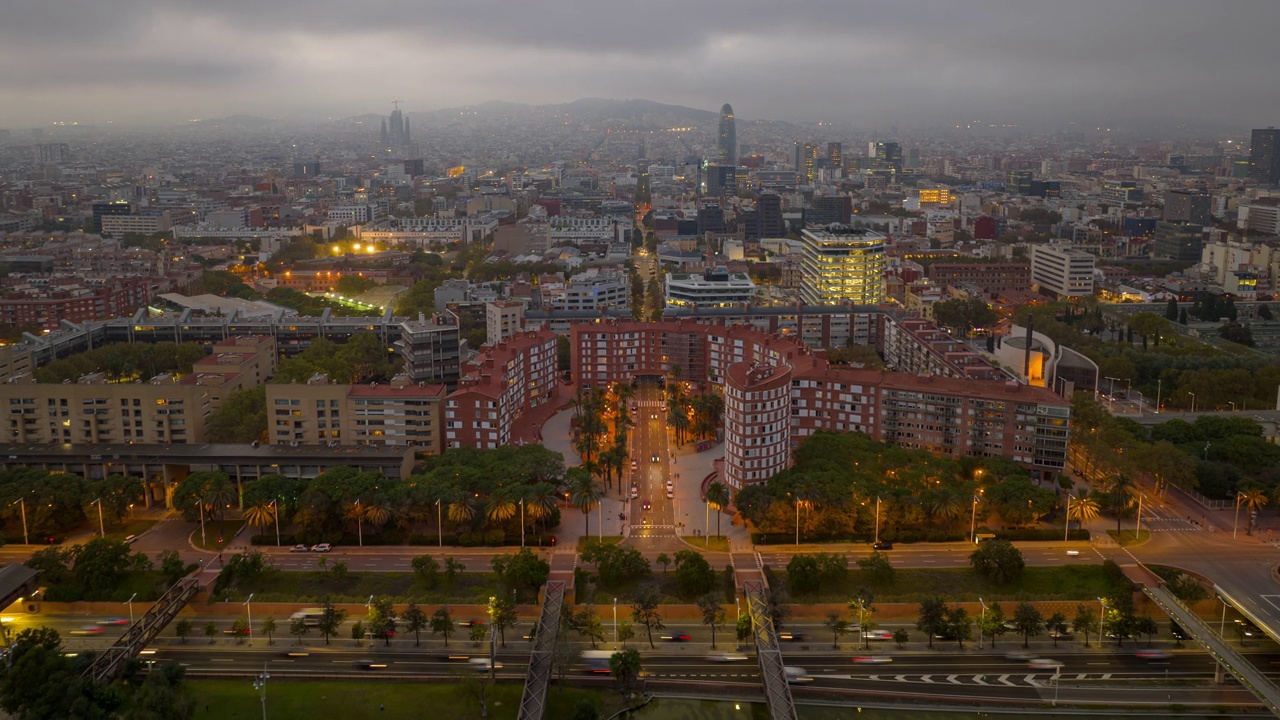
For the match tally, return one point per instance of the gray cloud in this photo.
(913, 61)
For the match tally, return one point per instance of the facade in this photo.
(502, 320)
(505, 382)
(727, 142)
(147, 224)
(714, 287)
(993, 278)
(777, 391)
(166, 409)
(843, 265)
(1178, 241)
(592, 290)
(1260, 218)
(48, 306)
(401, 413)
(1185, 206)
(1264, 156)
(431, 349)
(1062, 272)
(917, 346)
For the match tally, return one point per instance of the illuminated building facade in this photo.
(842, 265)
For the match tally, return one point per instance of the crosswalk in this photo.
(1162, 519)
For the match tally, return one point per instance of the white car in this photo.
(634, 492)
(321, 547)
(670, 486)
(1044, 664)
(481, 664)
(797, 675)
(726, 657)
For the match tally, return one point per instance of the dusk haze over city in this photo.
(568, 360)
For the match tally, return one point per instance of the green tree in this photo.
(964, 314)
(240, 630)
(837, 626)
(588, 625)
(713, 614)
(358, 631)
(182, 629)
(427, 570)
(298, 628)
(171, 566)
(476, 634)
(625, 666)
(1027, 621)
(802, 575)
(1086, 622)
(959, 624)
(331, 619)
(523, 571)
(211, 630)
(998, 561)
(664, 560)
(382, 619)
(991, 623)
(900, 637)
(502, 614)
(241, 419)
(1056, 624)
(644, 612)
(718, 497)
(442, 624)
(626, 632)
(269, 629)
(452, 568)
(694, 575)
(933, 617)
(877, 567)
(415, 621)
(1171, 310)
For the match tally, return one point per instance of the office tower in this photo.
(1178, 241)
(886, 155)
(1062, 272)
(807, 161)
(1185, 206)
(1018, 182)
(719, 179)
(52, 153)
(829, 209)
(1264, 156)
(769, 205)
(842, 265)
(100, 209)
(728, 143)
(834, 155)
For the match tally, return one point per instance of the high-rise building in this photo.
(100, 209)
(1264, 156)
(835, 155)
(769, 205)
(52, 153)
(395, 132)
(728, 142)
(1185, 206)
(842, 265)
(1062, 272)
(885, 155)
(1178, 241)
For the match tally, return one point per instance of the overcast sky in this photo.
(867, 63)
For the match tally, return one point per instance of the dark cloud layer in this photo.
(912, 61)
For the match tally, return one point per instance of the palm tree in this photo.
(678, 420)
(1254, 499)
(583, 493)
(945, 506)
(462, 508)
(540, 501)
(1084, 509)
(1121, 489)
(718, 497)
(216, 495)
(260, 515)
(501, 506)
(378, 513)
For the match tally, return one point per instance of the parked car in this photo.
(299, 548)
(321, 547)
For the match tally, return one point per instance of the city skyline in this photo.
(919, 63)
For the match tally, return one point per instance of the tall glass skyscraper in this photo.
(728, 144)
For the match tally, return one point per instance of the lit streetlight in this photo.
(973, 520)
(615, 621)
(129, 602)
(276, 515)
(260, 684)
(981, 621)
(249, 611)
(877, 542)
(102, 531)
(22, 506)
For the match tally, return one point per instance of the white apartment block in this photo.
(712, 288)
(1061, 271)
(143, 224)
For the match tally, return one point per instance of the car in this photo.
(670, 485)
(1246, 628)
(882, 545)
(299, 548)
(321, 547)
(879, 635)
(678, 637)
(726, 657)
(1073, 553)
(671, 495)
(1061, 635)
(1044, 664)
(634, 493)
(236, 631)
(88, 630)
(114, 621)
(1154, 655)
(793, 636)
(647, 505)
(872, 659)
(367, 664)
(797, 675)
(470, 623)
(635, 465)
(1021, 655)
(481, 664)
(297, 653)
(655, 457)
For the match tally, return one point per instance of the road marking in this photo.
(1271, 602)
(980, 679)
(221, 659)
(952, 679)
(926, 678)
(1004, 680)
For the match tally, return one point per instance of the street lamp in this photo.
(1233, 405)
(129, 602)
(359, 524)
(22, 505)
(1066, 526)
(877, 520)
(1137, 532)
(973, 521)
(1235, 524)
(981, 621)
(102, 532)
(249, 610)
(369, 604)
(1193, 400)
(521, 522)
(203, 540)
(260, 684)
(615, 621)
(1102, 621)
(276, 515)
(439, 524)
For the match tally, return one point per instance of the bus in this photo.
(311, 617)
(597, 661)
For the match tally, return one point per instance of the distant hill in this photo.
(240, 121)
(588, 110)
